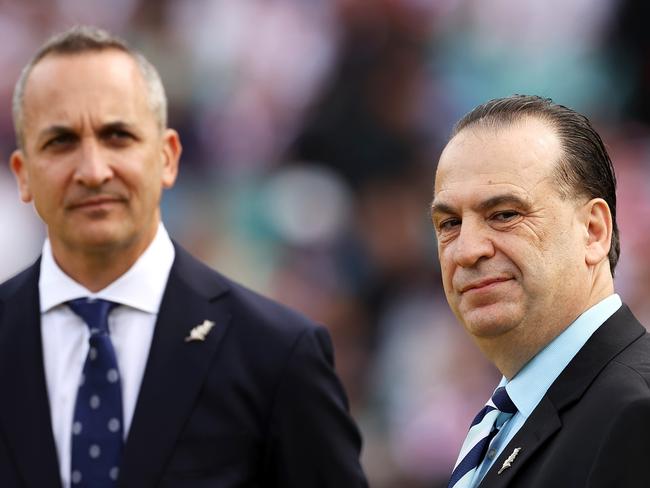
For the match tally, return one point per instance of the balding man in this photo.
(525, 216)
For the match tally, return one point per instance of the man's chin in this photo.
(490, 321)
(99, 238)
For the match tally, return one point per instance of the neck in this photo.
(97, 268)
(96, 272)
(513, 350)
(511, 354)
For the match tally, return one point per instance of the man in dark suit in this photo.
(123, 360)
(525, 217)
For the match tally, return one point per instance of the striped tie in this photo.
(487, 423)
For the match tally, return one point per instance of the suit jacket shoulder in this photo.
(592, 426)
(259, 310)
(27, 277)
(256, 404)
(25, 425)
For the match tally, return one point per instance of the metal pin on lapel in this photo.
(200, 332)
(508, 462)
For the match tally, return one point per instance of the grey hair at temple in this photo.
(82, 39)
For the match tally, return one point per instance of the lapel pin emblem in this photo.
(200, 332)
(508, 462)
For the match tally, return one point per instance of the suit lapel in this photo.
(618, 332)
(175, 369)
(24, 410)
(542, 423)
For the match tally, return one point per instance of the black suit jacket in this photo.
(592, 428)
(256, 405)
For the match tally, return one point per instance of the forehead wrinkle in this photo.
(522, 187)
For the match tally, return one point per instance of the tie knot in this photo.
(94, 312)
(503, 402)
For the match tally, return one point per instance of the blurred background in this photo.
(311, 131)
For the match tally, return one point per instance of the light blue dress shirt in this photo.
(530, 384)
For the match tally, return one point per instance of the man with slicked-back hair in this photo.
(524, 210)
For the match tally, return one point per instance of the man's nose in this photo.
(93, 168)
(473, 244)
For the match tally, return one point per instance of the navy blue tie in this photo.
(97, 426)
(483, 429)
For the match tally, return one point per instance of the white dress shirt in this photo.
(131, 326)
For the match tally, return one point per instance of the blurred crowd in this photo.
(311, 131)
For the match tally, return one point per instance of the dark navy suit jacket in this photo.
(592, 428)
(257, 404)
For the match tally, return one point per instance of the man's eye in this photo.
(505, 216)
(117, 135)
(448, 224)
(117, 138)
(61, 140)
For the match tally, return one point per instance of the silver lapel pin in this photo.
(508, 462)
(200, 332)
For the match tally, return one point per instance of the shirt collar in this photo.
(141, 287)
(528, 386)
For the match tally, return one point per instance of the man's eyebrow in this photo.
(55, 130)
(441, 208)
(116, 125)
(504, 199)
(496, 200)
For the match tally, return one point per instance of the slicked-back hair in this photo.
(84, 39)
(584, 169)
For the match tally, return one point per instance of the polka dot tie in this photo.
(97, 424)
(486, 424)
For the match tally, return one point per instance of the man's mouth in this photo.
(93, 203)
(484, 284)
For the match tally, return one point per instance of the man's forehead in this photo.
(519, 153)
(481, 198)
(496, 163)
(63, 88)
(98, 62)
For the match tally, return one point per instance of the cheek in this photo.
(146, 177)
(525, 251)
(52, 176)
(544, 268)
(445, 264)
(447, 275)
(147, 190)
(46, 191)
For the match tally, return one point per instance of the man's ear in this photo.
(599, 231)
(171, 153)
(19, 169)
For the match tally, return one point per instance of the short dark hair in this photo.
(585, 169)
(81, 39)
